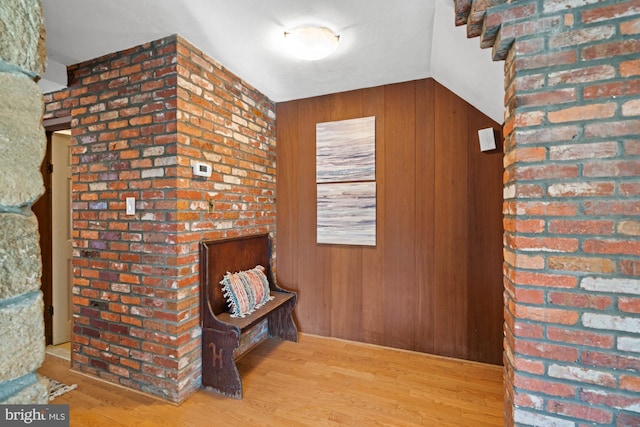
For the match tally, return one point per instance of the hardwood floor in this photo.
(316, 382)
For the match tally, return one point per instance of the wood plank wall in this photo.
(433, 283)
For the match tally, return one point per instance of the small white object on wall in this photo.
(202, 169)
(130, 206)
(487, 139)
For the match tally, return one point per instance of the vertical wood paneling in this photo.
(401, 289)
(346, 261)
(450, 223)
(287, 193)
(425, 214)
(313, 271)
(423, 287)
(373, 304)
(484, 223)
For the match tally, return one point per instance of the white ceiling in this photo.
(381, 42)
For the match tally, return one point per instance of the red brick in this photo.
(610, 89)
(547, 315)
(545, 172)
(611, 129)
(582, 375)
(528, 46)
(584, 112)
(88, 100)
(631, 383)
(546, 208)
(544, 386)
(629, 305)
(531, 366)
(581, 36)
(525, 154)
(581, 189)
(629, 228)
(631, 108)
(582, 338)
(524, 226)
(525, 191)
(99, 364)
(581, 264)
(628, 420)
(557, 226)
(546, 60)
(630, 27)
(611, 208)
(582, 75)
(608, 50)
(610, 360)
(629, 188)
(530, 118)
(623, 247)
(610, 11)
(580, 300)
(528, 296)
(546, 244)
(546, 280)
(629, 267)
(529, 401)
(526, 329)
(130, 363)
(610, 399)
(581, 412)
(612, 168)
(529, 82)
(558, 96)
(520, 260)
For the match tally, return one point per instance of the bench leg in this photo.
(281, 323)
(218, 364)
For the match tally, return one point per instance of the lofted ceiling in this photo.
(381, 42)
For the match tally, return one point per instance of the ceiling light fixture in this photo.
(311, 43)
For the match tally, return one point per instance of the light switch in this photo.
(131, 205)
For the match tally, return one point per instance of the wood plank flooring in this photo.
(316, 382)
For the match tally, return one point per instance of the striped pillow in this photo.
(246, 290)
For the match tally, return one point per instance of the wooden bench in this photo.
(224, 338)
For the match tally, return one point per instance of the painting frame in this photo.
(346, 150)
(346, 213)
(346, 182)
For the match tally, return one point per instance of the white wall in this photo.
(459, 64)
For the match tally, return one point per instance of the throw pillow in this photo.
(246, 290)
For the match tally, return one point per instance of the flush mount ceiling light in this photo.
(311, 43)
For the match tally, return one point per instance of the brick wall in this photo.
(227, 123)
(140, 118)
(572, 209)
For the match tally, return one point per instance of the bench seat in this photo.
(224, 338)
(245, 323)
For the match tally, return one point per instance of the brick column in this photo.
(22, 144)
(571, 209)
(140, 119)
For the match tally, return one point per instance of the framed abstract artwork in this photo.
(347, 213)
(346, 150)
(346, 182)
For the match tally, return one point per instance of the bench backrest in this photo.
(217, 257)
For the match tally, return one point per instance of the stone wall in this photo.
(22, 146)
